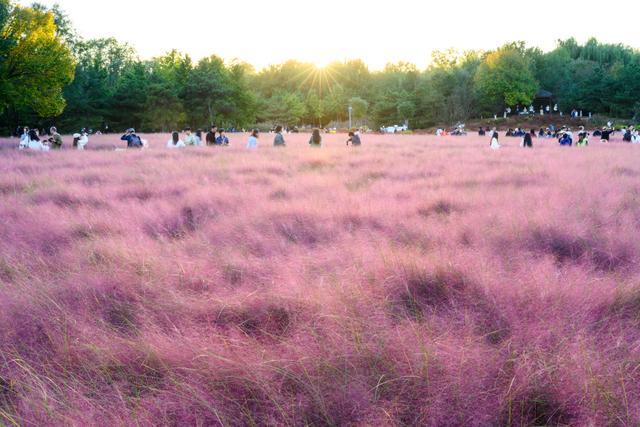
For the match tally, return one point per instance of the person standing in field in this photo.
(175, 141)
(80, 140)
(606, 134)
(527, 140)
(252, 143)
(56, 140)
(279, 141)
(316, 138)
(222, 139)
(583, 137)
(211, 135)
(354, 139)
(582, 141)
(24, 138)
(495, 145)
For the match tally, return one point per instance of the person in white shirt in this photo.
(32, 142)
(495, 145)
(80, 140)
(24, 138)
(175, 141)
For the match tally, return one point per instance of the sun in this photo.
(321, 63)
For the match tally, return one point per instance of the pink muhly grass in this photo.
(413, 281)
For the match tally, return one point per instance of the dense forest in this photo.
(50, 75)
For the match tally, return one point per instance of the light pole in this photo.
(350, 114)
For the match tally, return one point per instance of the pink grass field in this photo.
(412, 281)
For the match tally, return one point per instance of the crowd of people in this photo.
(564, 135)
(32, 139)
(218, 137)
(542, 110)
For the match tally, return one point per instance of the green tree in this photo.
(360, 108)
(283, 108)
(505, 77)
(406, 109)
(101, 63)
(36, 64)
(315, 108)
(64, 26)
(127, 106)
(244, 100)
(207, 90)
(163, 110)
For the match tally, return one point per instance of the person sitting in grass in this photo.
(527, 141)
(190, 139)
(565, 140)
(278, 141)
(481, 132)
(354, 139)
(198, 137)
(33, 142)
(252, 143)
(211, 135)
(222, 139)
(175, 141)
(316, 138)
(583, 140)
(56, 140)
(133, 140)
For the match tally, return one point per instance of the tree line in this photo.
(50, 75)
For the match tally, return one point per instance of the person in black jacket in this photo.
(606, 134)
(211, 135)
(527, 141)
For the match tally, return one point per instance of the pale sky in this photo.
(267, 32)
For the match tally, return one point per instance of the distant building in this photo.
(543, 99)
